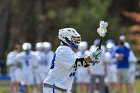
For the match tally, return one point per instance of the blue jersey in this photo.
(124, 51)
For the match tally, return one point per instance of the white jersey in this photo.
(45, 60)
(11, 58)
(38, 55)
(82, 71)
(28, 64)
(48, 57)
(10, 62)
(132, 60)
(111, 65)
(62, 70)
(98, 69)
(111, 68)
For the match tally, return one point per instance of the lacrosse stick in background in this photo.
(102, 31)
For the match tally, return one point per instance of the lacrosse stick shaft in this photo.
(101, 39)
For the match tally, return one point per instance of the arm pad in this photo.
(80, 62)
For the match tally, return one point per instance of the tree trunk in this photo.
(4, 25)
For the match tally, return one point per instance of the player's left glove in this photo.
(95, 56)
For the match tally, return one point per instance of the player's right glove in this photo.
(95, 56)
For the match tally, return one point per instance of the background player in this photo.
(83, 83)
(97, 71)
(132, 63)
(28, 63)
(122, 55)
(10, 62)
(38, 53)
(111, 66)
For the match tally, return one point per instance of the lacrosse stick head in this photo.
(102, 29)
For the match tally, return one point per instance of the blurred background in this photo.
(39, 20)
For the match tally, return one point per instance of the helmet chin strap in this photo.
(71, 43)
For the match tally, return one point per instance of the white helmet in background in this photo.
(83, 45)
(26, 46)
(69, 36)
(47, 46)
(110, 45)
(38, 46)
(122, 38)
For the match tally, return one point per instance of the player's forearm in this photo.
(87, 59)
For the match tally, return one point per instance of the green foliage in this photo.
(91, 12)
(86, 17)
(36, 20)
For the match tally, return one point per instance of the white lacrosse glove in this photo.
(102, 29)
(95, 56)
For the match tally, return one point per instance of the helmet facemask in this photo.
(74, 41)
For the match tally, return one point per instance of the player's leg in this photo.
(86, 83)
(101, 84)
(131, 80)
(19, 78)
(38, 81)
(29, 83)
(12, 81)
(86, 87)
(120, 83)
(41, 76)
(92, 83)
(120, 87)
(79, 79)
(112, 81)
(127, 80)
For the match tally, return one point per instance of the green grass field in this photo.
(5, 86)
(137, 85)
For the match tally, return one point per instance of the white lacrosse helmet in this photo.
(83, 45)
(110, 45)
(47, 45)
(122, 38)
(38, 46)
(26, 46)
(69, 36)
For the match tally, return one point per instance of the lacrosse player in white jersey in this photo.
(46, 59)
(132, 70)
(65, 62)
(28, 62)
(10, 62)
(37, 74)
(97, 71)
(83, 83)
(111, 66)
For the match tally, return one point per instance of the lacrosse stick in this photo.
(102, 31)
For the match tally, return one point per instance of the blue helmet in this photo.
(96, 41)
(109, 41)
